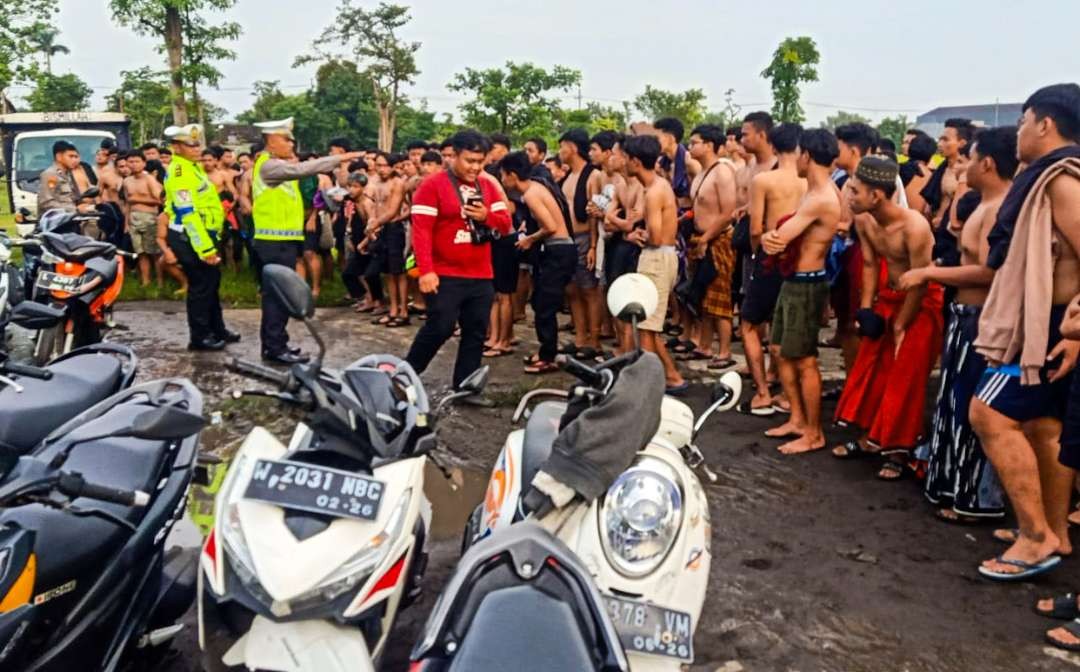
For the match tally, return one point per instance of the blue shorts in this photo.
(1000, 389)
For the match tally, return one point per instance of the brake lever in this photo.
(280, 396)
(695, 459)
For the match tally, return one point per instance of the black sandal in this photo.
(1065, 608)
(891, 471)
(1073, 628)
(852, 450)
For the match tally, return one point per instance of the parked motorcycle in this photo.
(79, 279)
(85, 581)
(317, 545)
(647, 541)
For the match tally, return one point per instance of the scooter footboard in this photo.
(301, 646)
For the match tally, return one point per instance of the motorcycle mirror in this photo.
(632, 296)
(476, 381)
(725, 395)
(165, 423)
(290, 289)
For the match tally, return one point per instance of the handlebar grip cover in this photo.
(579, 370)
(259, 371)
(26, 370)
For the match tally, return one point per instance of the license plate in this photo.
(297, 485)
(56, 282)
(650, 629)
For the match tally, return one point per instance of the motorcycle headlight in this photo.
(358, 568)
(641, 517)
(232, 535)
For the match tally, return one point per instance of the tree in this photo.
(686, 106)
(841, 118)
(18, 20)
(202, 47)
(174, 21)
(267, 95)
(388, 62)
(894, 128)
(144, 97)
(55, 93)
(730, 115)
(794, 62)
(43, 41)
(515, 99)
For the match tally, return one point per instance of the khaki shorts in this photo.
(143, 228)
(661, 265)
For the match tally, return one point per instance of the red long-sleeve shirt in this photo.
(440, 232)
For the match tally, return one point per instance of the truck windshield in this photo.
(34, 154)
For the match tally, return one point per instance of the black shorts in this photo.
(761, 293)
(391, 248)
(620, 258)
(311, 238)
(504, 262)
(1070, 429)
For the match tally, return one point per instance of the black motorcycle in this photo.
(85, 581)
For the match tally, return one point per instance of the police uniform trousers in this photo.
(204, 281)
(272, 332)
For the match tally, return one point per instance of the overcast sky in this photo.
(877, 57)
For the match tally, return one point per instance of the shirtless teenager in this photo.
(387, 233)
(1020, 403)
(885, 392)
(774, 196)
(917, 171)
(734, 149)
(142, 195)
(713, 193)
(583, 293)
(624, 221)
(601, 147)
(556, 256)
(805, 292)
(659, 261)
(960, 480)
(954, 145)
(109, 181)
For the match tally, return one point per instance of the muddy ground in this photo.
(817, 565)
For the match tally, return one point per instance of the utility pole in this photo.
(579, 96)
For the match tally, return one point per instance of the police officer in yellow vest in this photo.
(195, 219)
(278, 210)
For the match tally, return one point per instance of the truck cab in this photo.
(27, 139)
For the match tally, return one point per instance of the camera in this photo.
(481, 233)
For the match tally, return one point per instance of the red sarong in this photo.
(886, 395)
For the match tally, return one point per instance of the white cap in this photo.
(192, 133)
(280, 127)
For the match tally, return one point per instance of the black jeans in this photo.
(554, 268)
(203, 304)
(272, 333)
(459, 300)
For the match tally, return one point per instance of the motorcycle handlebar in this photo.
(25, 370)
(579, 370)
(259, 371)
(74, 485)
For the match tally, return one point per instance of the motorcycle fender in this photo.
(300, 646)
(504, 487)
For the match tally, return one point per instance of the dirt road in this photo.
(817, 566)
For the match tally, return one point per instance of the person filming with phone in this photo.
(456, 214)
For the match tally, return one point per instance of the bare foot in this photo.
(1074, 517)
(1063, 637)
(1025, 550)
(784, 431)
(803, 444)
(1046, 607)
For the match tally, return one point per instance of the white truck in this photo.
(27, 139)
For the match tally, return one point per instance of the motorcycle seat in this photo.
(540, 433)
(75, 247)
(78, 383)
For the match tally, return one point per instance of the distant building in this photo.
(994, 114)
(237, 135)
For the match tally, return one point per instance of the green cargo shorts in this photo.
(797, 319)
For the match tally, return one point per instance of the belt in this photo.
(557, 242)
(661, 248)
(808, 276)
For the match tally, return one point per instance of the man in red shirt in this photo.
(454, 214)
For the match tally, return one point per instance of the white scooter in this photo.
(317, 545)
(647, 541)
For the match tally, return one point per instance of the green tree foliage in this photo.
(894, 128)
(43, 41)
(728, 116)
(18, 21)
(517, 99)
(793, 63)
(371, 39)
(186, 33)
(686, 106)
(841, 118)
(144, 96)
(59, 93)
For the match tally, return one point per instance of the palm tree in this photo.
(43, 39)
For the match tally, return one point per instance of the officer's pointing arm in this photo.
(276, 171)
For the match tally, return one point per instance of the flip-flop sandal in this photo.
(568, 348)
(852, 450)
(381, 310)
(1029, 570)
(677, 390)
(672, 343)
(398, 322)
(673, 329)
(382, 321)
(954, 518)
(1065, 608)
(684, 347)
(586, 353)
(784, 410)
(745, 407)
(1073, 629)
(891, 471)
(366, 309)
(720, 364)
(492, 353)
(695, 355)
(414, 310)
(541, 368)
(529, 360)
